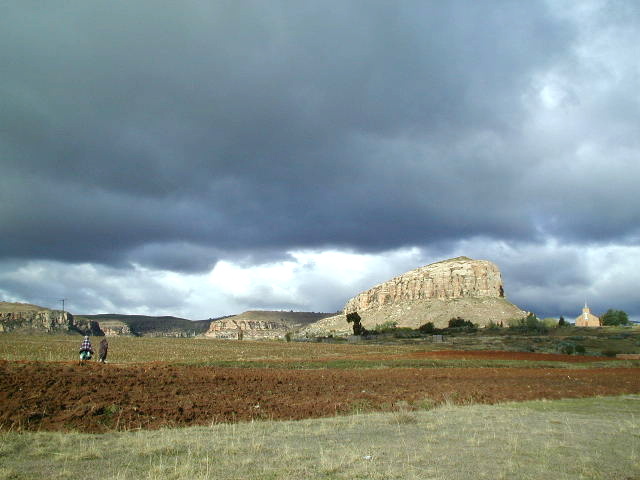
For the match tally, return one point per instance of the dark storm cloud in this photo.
(553, 279)
(548, 281)
(168, 138)
(251, 125)
(181, 257)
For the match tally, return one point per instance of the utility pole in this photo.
(62, 300)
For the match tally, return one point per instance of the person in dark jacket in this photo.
(102, 353)
(86, 351)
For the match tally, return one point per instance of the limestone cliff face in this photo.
(45, 320)
(231, 328)
(450, 279)
(459, 287)
(261, 324)
(115, 329)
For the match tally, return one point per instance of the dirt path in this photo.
(96, 398)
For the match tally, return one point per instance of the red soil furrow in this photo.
(97, 398)
(480, 355)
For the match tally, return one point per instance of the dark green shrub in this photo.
(386, 327)
(580, 349)
(427, 328)
(460, 323)
(405, 332)
(610, 353)
(529, 324)
(619, 336)
(566, 347)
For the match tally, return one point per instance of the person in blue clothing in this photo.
(86, 351)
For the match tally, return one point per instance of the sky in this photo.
(204, 158)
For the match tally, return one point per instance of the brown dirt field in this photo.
(482, 355)
(98, 398)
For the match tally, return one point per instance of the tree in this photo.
(615, 317)
(561, 322)
(532, 322)
(354, 318)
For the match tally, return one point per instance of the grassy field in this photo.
(593, 438)
(182, 350)
(595, 341)
(264, 354)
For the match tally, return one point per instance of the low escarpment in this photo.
(261, 324)
(27, 318)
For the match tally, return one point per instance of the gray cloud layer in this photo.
(171, 136)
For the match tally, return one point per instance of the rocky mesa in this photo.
(458, 287)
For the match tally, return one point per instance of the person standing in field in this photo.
(102, 353)
(86, 351)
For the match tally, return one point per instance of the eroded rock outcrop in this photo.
(239, 329)
(459, 287)
(115, 329)
(450, 279)
(31, 318)
(261, 324)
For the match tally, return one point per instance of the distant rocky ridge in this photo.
(261, 324)
(148, 326)
(27, 318)
(115, 328)
(23, 317)
(459, 287)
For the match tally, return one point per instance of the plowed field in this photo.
(96, 398)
